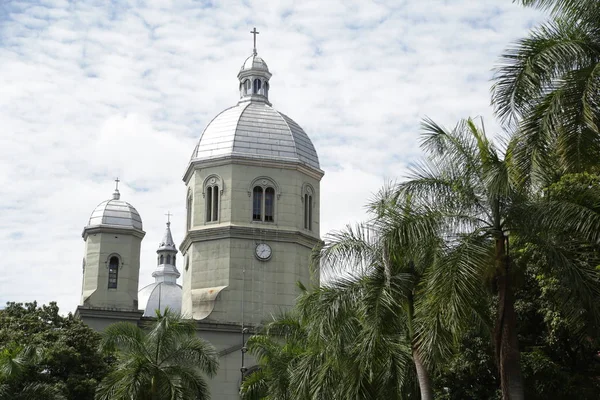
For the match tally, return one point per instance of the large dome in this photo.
(254, 129)
(115, 212)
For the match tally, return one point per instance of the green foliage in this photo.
(166, 361)
(53, 357)
(547, 88)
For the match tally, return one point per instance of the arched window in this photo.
(209, 204)
(189, 211)
(169, 259)
(213, 189)
(307, 199)
(257, 86)
(215, 212)
(269, 204)
(257, 203)
(310, 216)
(247, 86)
(306, 211)
(174, 260)
(113, 272)
(162, 259)
(266, 89)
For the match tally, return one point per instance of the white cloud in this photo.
(91, 90)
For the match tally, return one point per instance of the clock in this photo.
(263, 251)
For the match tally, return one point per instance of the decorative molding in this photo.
(112, 229)
(264, 182)
(197, 164)
(213, 180)
(249, 233)
(111, 255)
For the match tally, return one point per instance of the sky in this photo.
(91, 90)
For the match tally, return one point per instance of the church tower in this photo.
(111, 262)
(252, 208)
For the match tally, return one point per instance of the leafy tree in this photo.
(468, 186)
(48, 353)
(167, 361)
(548, 86)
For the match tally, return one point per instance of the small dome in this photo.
(115, 212)
(254, 62)
(160, 295)
(256, 130)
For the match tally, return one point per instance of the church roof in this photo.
(160, 295)
(255, 129)
(167, 242)
(116, 212)
(254, 62)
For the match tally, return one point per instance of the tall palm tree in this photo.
(547, 87)
(467, 185)
(402, 300)
(166, 361)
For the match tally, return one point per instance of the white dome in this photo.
(160, 295)
(256, 130)
(117, 213)
(254, 62)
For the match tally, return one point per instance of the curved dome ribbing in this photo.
(116, 213)
(256, 130)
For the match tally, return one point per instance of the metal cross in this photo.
(117, 180)
(168, 214)
(254, 32)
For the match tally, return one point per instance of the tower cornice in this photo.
(198, 164)
(90, 230)
(247, 232)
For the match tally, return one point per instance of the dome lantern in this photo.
(254, 77)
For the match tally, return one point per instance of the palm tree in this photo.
(403, 303)
(467, 185)
(305, 355)
(547, 87)
(167, 361)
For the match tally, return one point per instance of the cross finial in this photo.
(116, 194)
(254, 32)
(168, 214)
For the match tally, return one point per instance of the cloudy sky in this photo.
(94, 89)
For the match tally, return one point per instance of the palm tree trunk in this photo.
(422, 373)
(422, 376)
(506, 341)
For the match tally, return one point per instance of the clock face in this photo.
(263, 251)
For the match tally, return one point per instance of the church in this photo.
(252, 208)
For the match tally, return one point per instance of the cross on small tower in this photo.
(117, 181)
(254, 32)
(168, 214)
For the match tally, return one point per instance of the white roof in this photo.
(255, 129)
(116, 212)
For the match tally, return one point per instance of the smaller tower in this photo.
(111, 264)
(164, 292)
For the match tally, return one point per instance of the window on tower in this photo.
(212, 203)
(257, 86)
(169, 259)
(113, 272)
(189, 210)
(162, 259)
(257, 203)
(307, 199)
(269, 204)
(263, 199)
